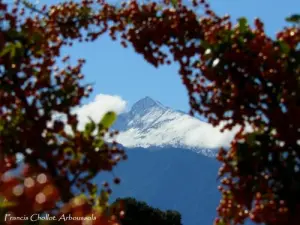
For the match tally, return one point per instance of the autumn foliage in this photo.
(38, 124)
(233, 72)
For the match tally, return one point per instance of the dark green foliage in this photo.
(140, 213)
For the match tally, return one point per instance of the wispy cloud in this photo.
(98, 107)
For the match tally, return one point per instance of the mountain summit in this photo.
(144, 104)
(151, 124)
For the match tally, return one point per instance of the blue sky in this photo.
(117, 71)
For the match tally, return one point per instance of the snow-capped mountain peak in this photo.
(144, 104)
(151, 124)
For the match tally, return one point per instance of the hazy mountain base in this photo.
(170, 178)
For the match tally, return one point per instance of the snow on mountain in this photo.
(150, 124)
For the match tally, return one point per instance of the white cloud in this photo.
(98, 107)
(211, 137)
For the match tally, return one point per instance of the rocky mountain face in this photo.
(151, 124)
